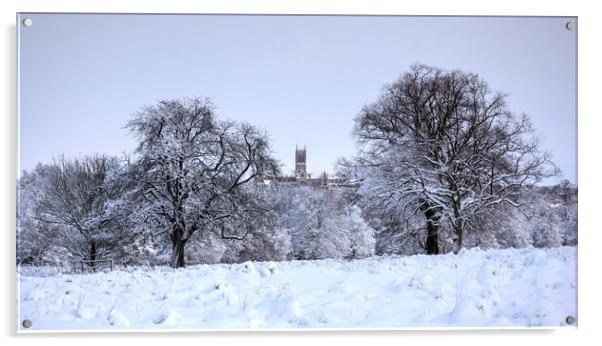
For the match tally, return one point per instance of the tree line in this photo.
(442, 163)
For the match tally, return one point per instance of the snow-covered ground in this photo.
(517, 288)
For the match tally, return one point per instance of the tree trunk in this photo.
(178, 255)
(178, 243)
(432, 232)
(458, 227)
(93, 254)
(458, 233)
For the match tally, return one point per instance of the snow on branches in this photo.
(442, 144)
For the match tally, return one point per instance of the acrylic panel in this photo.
(293, 172)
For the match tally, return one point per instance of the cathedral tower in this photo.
(300, 167)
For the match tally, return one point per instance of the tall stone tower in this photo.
(324, 179)
(300, 167)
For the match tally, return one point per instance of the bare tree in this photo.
(442, 144)
(76, 200)
(192, 170)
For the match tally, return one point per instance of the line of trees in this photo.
(442, 163)
(193, 179)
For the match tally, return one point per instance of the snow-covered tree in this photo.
(442, 144)
(562, 206)
(76, 205)
(34, 238)
(546, 218)
(192, 169)
(361, 235)
(265, 239)
(324, 224)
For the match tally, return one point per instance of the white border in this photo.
(590, 23)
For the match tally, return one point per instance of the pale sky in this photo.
(302, 78)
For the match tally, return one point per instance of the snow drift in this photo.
(508, 288)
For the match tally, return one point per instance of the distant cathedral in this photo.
(302, 177)
(300, 164)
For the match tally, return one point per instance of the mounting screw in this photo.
(570, 319)
(27, 323)
(27, 22)
(570, 25)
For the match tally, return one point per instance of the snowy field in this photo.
(511, 288)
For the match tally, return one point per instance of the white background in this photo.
(590, 132)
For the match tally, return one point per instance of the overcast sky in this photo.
(302, 78)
